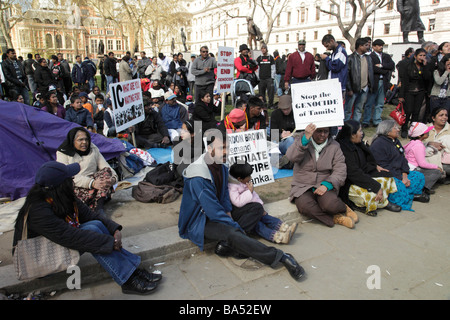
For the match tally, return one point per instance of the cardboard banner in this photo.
(251, 146)
(128, 107)
(225, 69)
(318, 102)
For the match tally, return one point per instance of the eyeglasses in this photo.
(203, 51)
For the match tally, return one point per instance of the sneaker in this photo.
(352, 214)
(344, 220)
(284, 227)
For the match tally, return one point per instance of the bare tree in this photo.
(11, 13)
(337, 8)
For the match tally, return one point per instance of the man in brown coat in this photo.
(319, 172)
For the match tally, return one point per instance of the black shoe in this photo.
(148, 276)
(429, 191)
(136, 285)
(393, 207)
(224, 250)
(293, 267)
(422, 197)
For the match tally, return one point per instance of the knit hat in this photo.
(417, 129)
(236, 115)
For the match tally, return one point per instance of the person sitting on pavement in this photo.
(205, 111)
(173, 115)
(152, 132)
(190, 146)
(282, 127)
(55, 213)
(52, 105)
(368, 185)
(319, 173)
(79, 115)
(93, 184)
(205, 211)
(389, 154)
(256, 119)
(248, 210)
(235, 121)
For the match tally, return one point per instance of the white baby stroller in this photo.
(241, 87)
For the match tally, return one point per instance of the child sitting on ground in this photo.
(245, 200)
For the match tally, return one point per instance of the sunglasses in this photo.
(204, 51)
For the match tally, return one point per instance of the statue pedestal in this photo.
(396, 50)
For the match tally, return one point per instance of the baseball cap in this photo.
(53, 173)
(189, 97)
(417, 129)
(236, 115)
(285, 101)
(169, 95)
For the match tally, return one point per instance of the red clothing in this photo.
(297, 68)
(240, 68)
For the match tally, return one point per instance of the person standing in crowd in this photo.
(440, 92)
(58, 73)
(266, 65)
(111, 72)
(203, 70)
(78, 73)
(164, 62)
(43, 77)
(337, 62)
(67, 80)
(190, 76)
(245, 65)
(415, 81)
(101, 68)
(125, 72)
(300, 66)
(29, 71)
(206, 210)
(16, 81)
(90, 70)
(360, 80)
(383, 66)
(143, 65)
(153, 71)
(402, 64)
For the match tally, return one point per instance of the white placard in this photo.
(318, 102)
(251, 146)
(225, 69)
(128, 107)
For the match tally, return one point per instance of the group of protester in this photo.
(334, 175)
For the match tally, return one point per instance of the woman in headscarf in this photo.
(368, 185)
(53, 211)
(93, 184)
(389, 154)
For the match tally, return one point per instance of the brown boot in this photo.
(292, 228)
(344, 220)
(284, 227)
(352, 214)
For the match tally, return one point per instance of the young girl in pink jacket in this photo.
(415, 154)
(245, 200)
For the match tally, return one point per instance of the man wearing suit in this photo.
(383, 66)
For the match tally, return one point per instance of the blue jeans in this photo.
(357, 99)
(267, 227)
(119, 264)
(285, 144)
(278, 85)
(109, 81)
(375, 102)
(91, 82)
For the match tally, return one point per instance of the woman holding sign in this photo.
(319, 172)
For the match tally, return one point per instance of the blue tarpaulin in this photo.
(30, 137)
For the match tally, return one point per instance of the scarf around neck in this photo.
(318, 147)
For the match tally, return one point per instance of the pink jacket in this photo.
(415, 154)
(240, 195)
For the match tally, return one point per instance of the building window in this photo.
(48, 40)
(431, 24)
(93, 31)
(287, 37)
(68, 42)
(288, 18)
(277, 38)
(109, 45)
(390, 5)
(387, 28)
(303, 15)
(369, 31)
(317, 14)
(110, 32)
(347, 9)
(58, 40)
(94, 45)
(304, 36)
(316, 35)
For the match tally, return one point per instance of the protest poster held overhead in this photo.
(251, 147)
(128, 107)
(318, 102)
(225, 69)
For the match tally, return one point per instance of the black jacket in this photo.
(42, 221)
(279, 121)
(153, 123)
(354, 73)
(43, 78)
(110, 67)
(414, 79)
(385, 71)
(206, 114)
(361, 168)
(11, 79)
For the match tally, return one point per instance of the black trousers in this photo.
(242, 243)
(266, 85)
(413, 103)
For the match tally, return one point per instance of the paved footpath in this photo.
(394, 256)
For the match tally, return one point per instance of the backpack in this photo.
(165, 174)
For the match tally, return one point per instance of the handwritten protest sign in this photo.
(225, 69)
(128, 108)
(318, 102)
(251, 146)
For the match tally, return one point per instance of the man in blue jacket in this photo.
(78, 73)
(205, 211)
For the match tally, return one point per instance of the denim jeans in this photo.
(279, 85)
(268, 226)
(91, 82)
(375, 102)
(109, 81)
(119, 264)
(285, 144)
(358, 100)
(32, 84)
